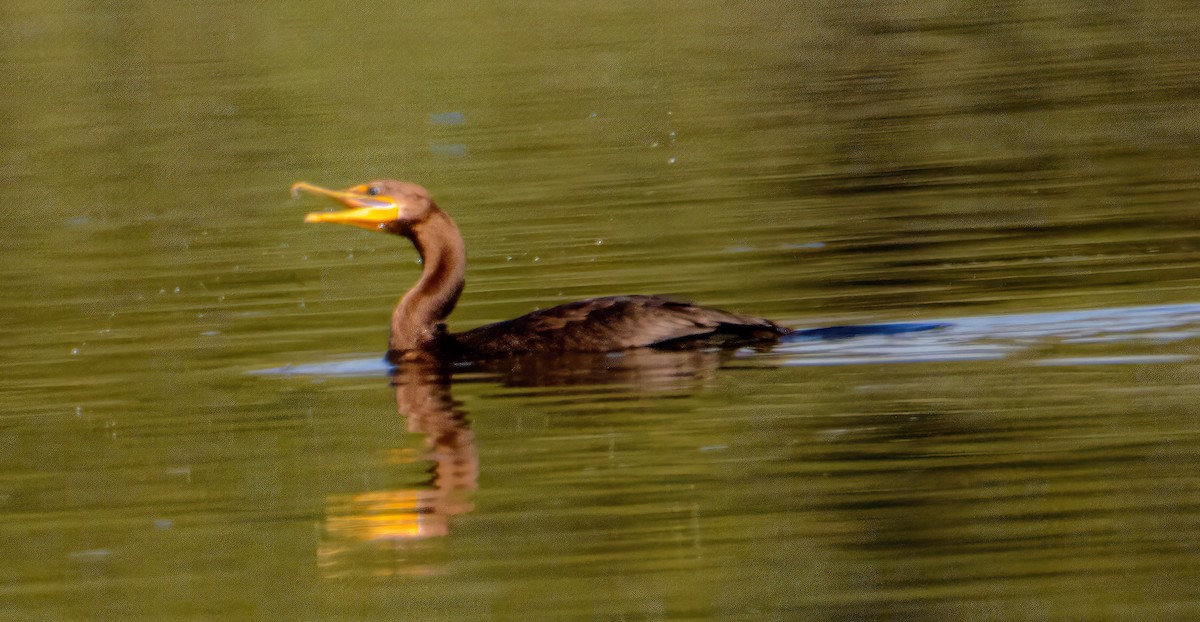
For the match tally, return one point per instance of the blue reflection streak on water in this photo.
(861, 330)
(976, 338)
(988, 337)
(374, 366)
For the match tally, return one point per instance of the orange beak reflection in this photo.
(366, 211)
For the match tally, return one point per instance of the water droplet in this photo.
(599, 242)
(670, 160)
(447, 118)
(89, 554)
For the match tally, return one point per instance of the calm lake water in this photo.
(195, 423)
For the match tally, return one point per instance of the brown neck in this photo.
(417, 320)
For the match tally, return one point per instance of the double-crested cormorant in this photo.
(595, 325)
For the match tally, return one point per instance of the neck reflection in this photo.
(388, 518)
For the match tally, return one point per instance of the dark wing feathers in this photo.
(615, 323)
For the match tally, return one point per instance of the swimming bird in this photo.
(607, 324)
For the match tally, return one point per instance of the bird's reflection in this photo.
(388, 521)
(641, 370)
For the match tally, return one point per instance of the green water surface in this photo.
(812, 162)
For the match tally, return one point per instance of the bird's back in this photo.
(614, 323)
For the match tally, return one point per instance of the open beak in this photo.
(366, 211)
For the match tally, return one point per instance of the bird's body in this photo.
(614, 323)
(605, 324)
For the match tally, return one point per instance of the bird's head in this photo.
(386, 204)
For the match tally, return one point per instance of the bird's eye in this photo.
(373, 191)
